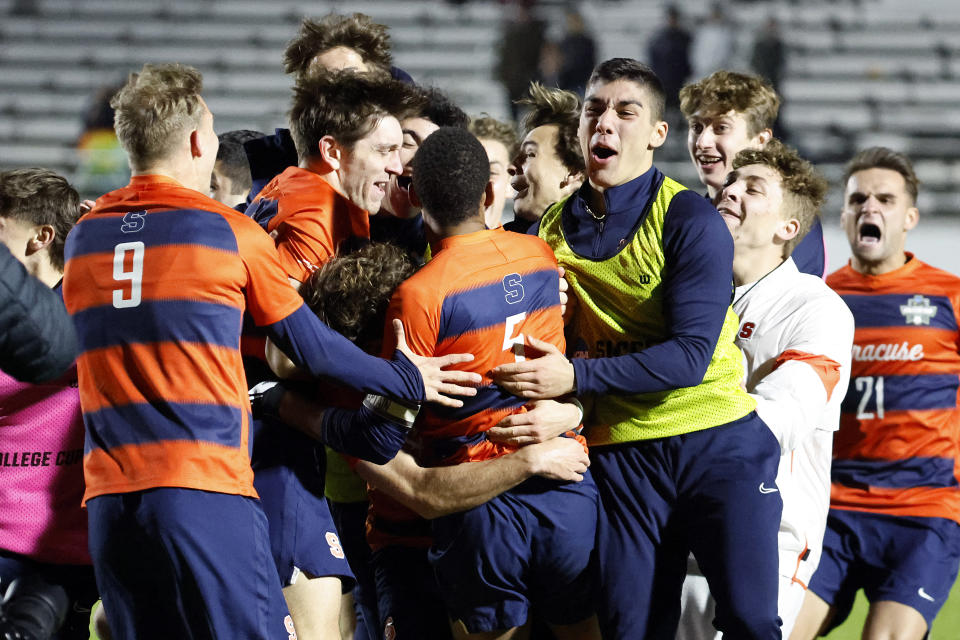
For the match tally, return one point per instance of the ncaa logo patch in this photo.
(918, 310)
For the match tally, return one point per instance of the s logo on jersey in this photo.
(511, 284)
(918, 310)
(746, 330)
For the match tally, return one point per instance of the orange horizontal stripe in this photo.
(939, 351)
(903, 434)
(924, 502)
(827, 370)
(176, 372)
(170, 272)
(184, 464)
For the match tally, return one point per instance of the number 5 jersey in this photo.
(899, 441)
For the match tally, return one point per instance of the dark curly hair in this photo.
(357, 31)
(450, 173)
(351, 292)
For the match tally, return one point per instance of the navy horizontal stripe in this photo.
(263, 211)
(902, 393)
(895, 474)
(901, 310)
(145, 423)
(490, 305)
(99, 234)
(489, 397)
(159, 321)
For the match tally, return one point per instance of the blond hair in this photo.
(154, 107)
(724, 91)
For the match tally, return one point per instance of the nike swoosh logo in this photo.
(923, 594)
(764, 489)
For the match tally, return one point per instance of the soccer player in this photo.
(727, 112)
(399, 221)
(157, 278)
(549, 164)
(681, 459)
(894, 504)
(43, 530)
(795, 334)
(350, 293)
(500, 141)
(347, 130)
(230, 182)
(493, 291)
(333, 43)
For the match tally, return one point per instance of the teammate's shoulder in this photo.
(690, 209)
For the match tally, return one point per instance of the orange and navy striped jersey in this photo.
(157, 279)
(898, 446)
(311, 218)
(482, 293)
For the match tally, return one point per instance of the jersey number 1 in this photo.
(134, 274)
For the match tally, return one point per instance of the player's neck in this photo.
(750, 266)
(182, 172)
(880, 267)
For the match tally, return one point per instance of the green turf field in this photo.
(945, 627)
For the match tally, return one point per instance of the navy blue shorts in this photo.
(712, 492)
(77, 580)
(408, 598)
(351, 521)
(530, 546)
(908, 560)
(303, 537)
(180, 563)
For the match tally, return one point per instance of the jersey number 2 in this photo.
(134, 275)
(869, 386)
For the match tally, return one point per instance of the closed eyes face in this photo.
(539, 173)
(751, 204)
(370, 163)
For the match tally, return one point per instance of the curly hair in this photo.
(724, 91)
(351, 292)
(884, 158)
(155, 105)
(805, 188)
(562, 109)
(450, 174)
(345, 105)
(38, 197)
(357, 31)
(485, 127)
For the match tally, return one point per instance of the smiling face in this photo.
(877, 214)
(415, 131)
(714, 140)
(367, 167)
(752, 205)
(499, 161)
(618, 132)
(540, 177)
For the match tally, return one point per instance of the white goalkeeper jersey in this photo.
(796, 335)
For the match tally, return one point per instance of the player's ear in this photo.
(911, 219)
(43, 235)
(488, 194)
(414, 198)
(788, 229)
(330, 151)
(196, 147)
(764, 137)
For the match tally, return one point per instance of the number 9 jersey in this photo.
(157, 279)
(899, 440)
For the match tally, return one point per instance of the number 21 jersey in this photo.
(898, 445)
